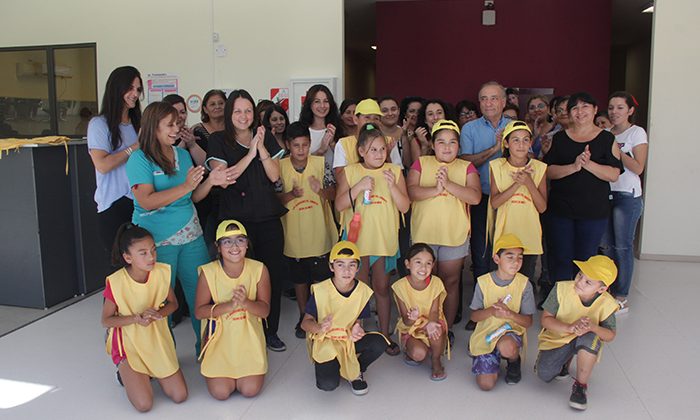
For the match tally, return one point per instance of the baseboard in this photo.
(673, 258)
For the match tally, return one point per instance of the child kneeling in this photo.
(502, 308)
(578, 317)
(333, 321)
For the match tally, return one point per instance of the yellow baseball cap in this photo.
(368, 107)
(223, 230)
(507, 241)
(599, 267)
(444, 125)
(344, 249)
(515, 125)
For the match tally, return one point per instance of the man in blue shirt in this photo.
(479, 145)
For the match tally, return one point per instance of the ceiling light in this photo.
(374, 47)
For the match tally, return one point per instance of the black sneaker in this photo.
(451, 337)
(578, 398)
(513, 374)
(274, 343)
(564, 374)
(119, 379)
(359, 385)
(471, 325)
(298, 331)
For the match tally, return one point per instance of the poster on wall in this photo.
(160, 85)
(298, 88)
(280, 96)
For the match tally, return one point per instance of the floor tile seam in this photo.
(630, 383)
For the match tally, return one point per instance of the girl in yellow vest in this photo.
(333, 322)
(419, 296)
(309, 229)
(502, 307)
(233, 296)
(441, 188)
(138, 300)
(376, 192)
(519, 193)
(578, 317)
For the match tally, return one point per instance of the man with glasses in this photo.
(480, 143)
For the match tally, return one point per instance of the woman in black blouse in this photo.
(251, 199)
(583, 160)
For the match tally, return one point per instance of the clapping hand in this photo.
(357, 333)
(315, 184)
(194, 177)
(413, 314)
(325, 325)
(240, 296)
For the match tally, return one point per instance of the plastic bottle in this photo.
(497, 333)
(354, 228)
(366, 197)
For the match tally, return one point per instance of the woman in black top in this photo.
(251, 199)
(583, 160)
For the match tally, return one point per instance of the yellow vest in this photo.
(309, 229)
(423, 300)
(149, 350)
(379, 234)
(570, 310)
(349, 145)
(518, 215)
(492, 292)
(236, 347)
(443, 219)
(336, 342)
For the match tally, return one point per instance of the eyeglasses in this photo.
(240, 242)
(538, 106)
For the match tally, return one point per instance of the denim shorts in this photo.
(490, 363)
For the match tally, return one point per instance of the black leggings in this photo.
(109, 220)
(369, 348)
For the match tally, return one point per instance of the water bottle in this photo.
(354, 228)
(498, 332)
(366, 197)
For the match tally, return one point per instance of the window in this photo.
(50, 90)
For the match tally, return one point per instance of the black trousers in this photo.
(267, 245)
(109, 220)
(369, 348)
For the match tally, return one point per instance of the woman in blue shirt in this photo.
(165, 184)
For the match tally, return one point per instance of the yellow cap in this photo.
(368, 107)
(444, 125)
(514, 125)
(599, 267)
(507, 241)
(223, 232)
(344, 249)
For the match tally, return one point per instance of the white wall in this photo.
(268, 41)
(671, 228)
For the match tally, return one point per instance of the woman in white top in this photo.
(320, 113)
(626, 192)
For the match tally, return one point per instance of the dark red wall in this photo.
(439, 48)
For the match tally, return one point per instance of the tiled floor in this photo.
(634, 380)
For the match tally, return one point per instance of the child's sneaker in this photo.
(578, 398)
(623, 306)
(564, 373)
(359, 385)
(513, 374)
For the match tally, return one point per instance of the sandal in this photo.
(392, 349)
(623, 305)
(437, 377)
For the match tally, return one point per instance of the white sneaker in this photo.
(623, 305)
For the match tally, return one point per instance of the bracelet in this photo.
(128, 151)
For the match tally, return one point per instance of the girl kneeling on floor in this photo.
(233, 296)
(138, 300)
(419, 296)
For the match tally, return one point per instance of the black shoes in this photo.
(578, 398)
(513, 374)
(274, 343)
(359, 385)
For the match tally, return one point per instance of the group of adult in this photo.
(165, 188)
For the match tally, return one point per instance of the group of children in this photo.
(335, 281)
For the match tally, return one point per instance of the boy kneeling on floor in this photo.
(502, 308)
(333, 321)
(578, 317)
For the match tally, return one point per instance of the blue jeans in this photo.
(618, 240)
(569, 240)
(183, 261)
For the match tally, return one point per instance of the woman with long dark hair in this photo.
(112, 138)
(252, 199)
(320, 113)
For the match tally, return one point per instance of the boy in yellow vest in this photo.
(502, 308)
(578, 317)
(333, 321)
(309, 229)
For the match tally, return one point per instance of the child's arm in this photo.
(502, 311)
(415, 191)
(403, 311)
(584, 325)
(498, 198)
(342, 197)
(397, 188)
(202, 301)
(169, 307)
(295, 192)
(110, 319)
(550, 322)
(538, 193)
(470, 193)
(481, 314)
(259, 307)
(310, 325)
